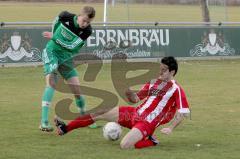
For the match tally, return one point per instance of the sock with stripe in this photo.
(46, 102)
(80, 102)
(81, 121)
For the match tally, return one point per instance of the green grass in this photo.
(11, 12)
(212, 88)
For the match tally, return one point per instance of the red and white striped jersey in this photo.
(163, 99)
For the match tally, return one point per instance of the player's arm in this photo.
(132, 97)
(47, 34)
(61, 17)
(140, 95)
(182, 112)
(179, 117)
(55, 24)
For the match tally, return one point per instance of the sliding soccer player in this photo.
(164, 100)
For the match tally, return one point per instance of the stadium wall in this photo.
(25, 45)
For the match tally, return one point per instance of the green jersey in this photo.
(67, 36)
(66, 41)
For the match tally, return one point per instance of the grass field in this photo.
(11, 12)
(212, 88)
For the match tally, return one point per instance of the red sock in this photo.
(81, 121)
(144, 143)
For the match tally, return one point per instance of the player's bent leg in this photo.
(51, 80)
(46, 102)
(147, 142)
(74, 85)
(139, 136)
(61, 126)
(131, 138)
(154, 139)
(148, 139)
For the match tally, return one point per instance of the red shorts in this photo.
(128, 118)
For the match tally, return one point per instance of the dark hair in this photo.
(89, 11)
(171, 62)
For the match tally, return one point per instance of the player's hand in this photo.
(129, 92)
(166, 131)
(47, 34)
(131, 96)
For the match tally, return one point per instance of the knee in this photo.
(51, 80)
(77, 95)
(125, 145)
(52, 84)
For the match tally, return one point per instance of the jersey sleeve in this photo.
(143, 92)
(87, 32)
(55, 24)
(181, 101)
(63, 16)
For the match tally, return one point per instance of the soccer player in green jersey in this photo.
(69, 33)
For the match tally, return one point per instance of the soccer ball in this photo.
(112, 131)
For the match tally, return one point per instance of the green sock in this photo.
(80, 102)
(46, 102)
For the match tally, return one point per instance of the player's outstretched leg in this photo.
(80, 102)
(81, 121)
(61, 126)
(74, 85)
(86, 120)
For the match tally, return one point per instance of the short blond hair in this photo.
(89, 11)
